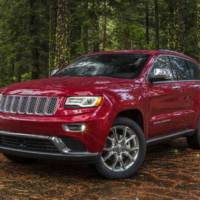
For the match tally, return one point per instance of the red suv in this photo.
(105, 108)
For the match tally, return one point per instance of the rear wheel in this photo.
(18, 159)
(124, 150)
(194, 140)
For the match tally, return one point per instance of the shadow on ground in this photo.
(170, 171)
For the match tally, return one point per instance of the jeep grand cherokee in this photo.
(105, 107)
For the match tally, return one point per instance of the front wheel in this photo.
(124, 150)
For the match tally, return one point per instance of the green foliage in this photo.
(18, 39)
(38, 35)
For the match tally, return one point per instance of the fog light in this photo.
(74, 127)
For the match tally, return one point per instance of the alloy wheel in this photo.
(121, 149)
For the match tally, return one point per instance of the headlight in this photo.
(83, 102)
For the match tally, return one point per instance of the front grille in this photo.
(30, 144)
(28, 104)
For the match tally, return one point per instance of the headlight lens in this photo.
(83, 102)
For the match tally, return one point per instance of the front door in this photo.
(165, 101)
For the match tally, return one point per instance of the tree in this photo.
(38, 35)
(147, 21)
(23, 41)
(157, 25)
(63, 29)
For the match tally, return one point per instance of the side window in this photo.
(194, 71)
(180, 68)
(161, 68)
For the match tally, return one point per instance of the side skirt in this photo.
(164, 138)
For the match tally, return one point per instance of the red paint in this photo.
(157, 103)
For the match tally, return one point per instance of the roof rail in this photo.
(167, 50)
(177, 52)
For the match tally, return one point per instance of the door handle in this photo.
(176, 87)
(195, 86)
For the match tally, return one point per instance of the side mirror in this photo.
(159, 75)
(54, 71)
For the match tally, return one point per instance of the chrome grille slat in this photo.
(5, 104)
(23, 105)
(41, 105)
(30, 105)
(51, 105)
(2, 102)
(10, 103)
(16, 104)
(13, 101)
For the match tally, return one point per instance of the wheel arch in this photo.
(134, 114)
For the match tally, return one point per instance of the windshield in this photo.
(113, 65)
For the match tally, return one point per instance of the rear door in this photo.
(189, 85)
(165, 101)
(195, 86)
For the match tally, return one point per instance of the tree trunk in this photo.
(63, 30)
(157, 25)
(84, 30)
(147, 21)
(190, 25)
(172, 39)
(95, 24)
(104, 25)
(52, 33)
(34, 48)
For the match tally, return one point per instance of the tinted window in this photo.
(194, 71)
(114, 65)
(180, 68)
(162, 66)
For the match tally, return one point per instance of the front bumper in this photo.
(41, 146)
(93, 138)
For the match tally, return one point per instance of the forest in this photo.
(37, 36)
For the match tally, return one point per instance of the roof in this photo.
(149, 52)
(126, 52)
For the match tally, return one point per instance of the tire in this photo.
(128, 150)
(194, 140)
(18, 159)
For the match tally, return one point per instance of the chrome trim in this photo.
(38, 104)
(66, 127)
(176, 87)
(7, 133)
(27, 111)
(5, 103)
(171, 136)
(12, 104)
(162, 121)
(49, 155)
(49, 99)
(176, 81)
(194, 86)
(59, 144)
(19, 103)
(184, 57)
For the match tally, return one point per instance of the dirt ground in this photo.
(170, 171)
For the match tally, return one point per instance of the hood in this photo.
(63, 86)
